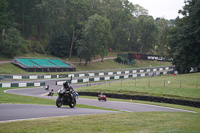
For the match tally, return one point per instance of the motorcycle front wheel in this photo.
(58, 102)
(99, 98)
(72, 104)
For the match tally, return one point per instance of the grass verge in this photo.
(145, 122)
(19, 99)
(181, 87)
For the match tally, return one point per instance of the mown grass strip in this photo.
(145, 122)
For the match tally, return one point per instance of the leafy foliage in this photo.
(122, 60)
(185, 39)
(58, 46)
(13, 44)
(3, 15)
(96, 38)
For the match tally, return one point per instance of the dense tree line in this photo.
(61, 27)
(86, 28)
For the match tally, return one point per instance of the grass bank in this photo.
(149, 122)
(186, 86)
(9, 68)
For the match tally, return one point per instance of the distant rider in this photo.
(50, 93)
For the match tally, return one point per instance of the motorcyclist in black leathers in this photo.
(67, 87)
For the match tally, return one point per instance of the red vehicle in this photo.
(102, 97)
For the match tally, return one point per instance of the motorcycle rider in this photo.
(67, 87)
(66, 96)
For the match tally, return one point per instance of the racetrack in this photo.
(11, 112)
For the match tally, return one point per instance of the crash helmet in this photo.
(66, 84)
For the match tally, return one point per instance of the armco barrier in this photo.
(3, 85)
(146, 98)
(89, 74)
(30, 76)
(107, 78)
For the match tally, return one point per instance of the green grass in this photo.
(145, 122)
(9, 68)
(187, 90)
(18, 99)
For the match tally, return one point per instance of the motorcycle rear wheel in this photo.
(72, 104)
(58, 102)
(105, 99)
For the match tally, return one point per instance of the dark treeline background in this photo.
(86, 28)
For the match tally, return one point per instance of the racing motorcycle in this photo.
(102, 97)
(66, 98)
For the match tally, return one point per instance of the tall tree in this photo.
(146, 33)
(97, 37)
(185, 39)
(162, 38)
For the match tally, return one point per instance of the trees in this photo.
(64, 26)
(184, 38)
(96, 38)
(146, 33)
(162, 38)
(58, 46)
(13, 44)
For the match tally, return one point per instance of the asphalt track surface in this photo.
(13, 112)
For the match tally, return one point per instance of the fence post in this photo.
(149, 83)
(180, 83)
(121, 82)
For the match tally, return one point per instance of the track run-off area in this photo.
(14, 112)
